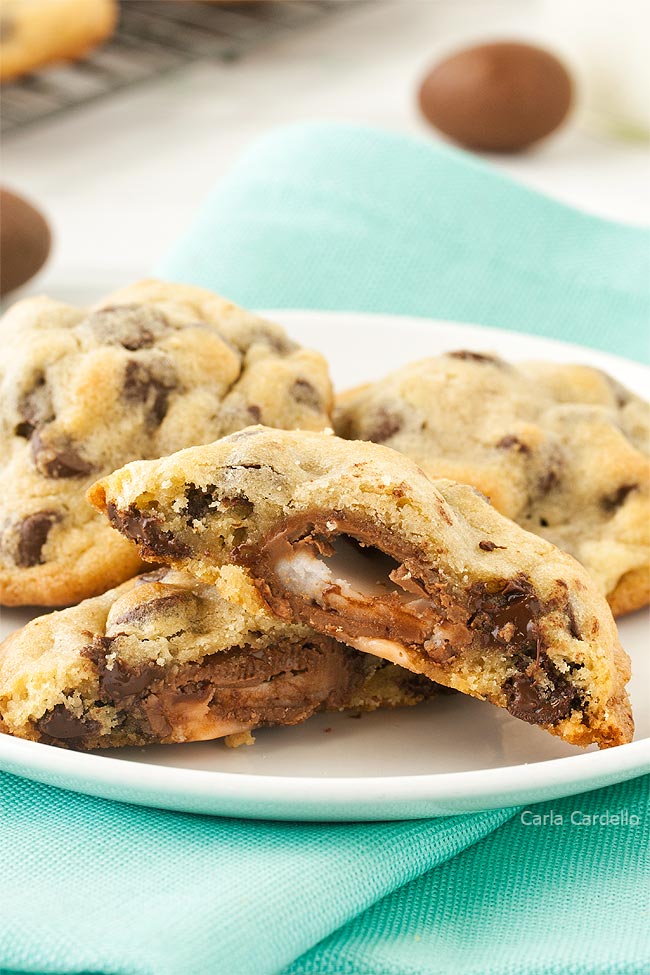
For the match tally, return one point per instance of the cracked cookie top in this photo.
(561, 449)
(154, 368)
(355, 540)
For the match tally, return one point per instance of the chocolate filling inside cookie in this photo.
(225, 693)
(358, 581)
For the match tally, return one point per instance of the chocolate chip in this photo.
(508, 615)
(35, 407)
(24, 430)
(383, 426)
(61, 723)
(202, 501)
(120, 682)
(509, 441)
(131, 326)
(33, 535)
(159, 606)
(474, 356)
(489, 546)
(255, 413)
(613, 501)
(150, 384)
(573, 627)
(146, 531)
(548, 481)
(303, 392)
(58, 461)
(199, 501)
(540, 695)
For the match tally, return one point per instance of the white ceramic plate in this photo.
(452, 755)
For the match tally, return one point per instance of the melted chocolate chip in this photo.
(474, 356)
(117, 681)
(202, 501)
(120, 682)
(303, 392)
(488, 546)
(511, 442)
(146, 531)
(199, 501)
(540, 695)
(383, 426)
(509, 614)
(58, 461)
(255, 413)
(613, 501)
(33, 535)
(150, 384)
(131, 326)
(61, 723)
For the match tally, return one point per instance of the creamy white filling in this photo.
(358, 574)
(386, 649)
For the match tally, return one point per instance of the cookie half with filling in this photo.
(560, 449)
(154, 368)
(356, 541)
(164, 658)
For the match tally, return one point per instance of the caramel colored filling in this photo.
(357, 581)
(226, 693)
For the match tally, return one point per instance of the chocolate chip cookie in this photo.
(355, 540)
(164, 658)
(560, 449)
(154, 368)
(34, 33)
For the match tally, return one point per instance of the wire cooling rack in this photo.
(154, 37)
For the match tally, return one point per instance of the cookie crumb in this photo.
(240, 738)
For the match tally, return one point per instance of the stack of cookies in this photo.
(169, 468)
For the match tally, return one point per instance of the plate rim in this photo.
(344, 798)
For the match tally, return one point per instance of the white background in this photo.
(121, 179)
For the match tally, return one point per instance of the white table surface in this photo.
(121, 179)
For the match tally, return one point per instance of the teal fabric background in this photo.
(333, 217)
(341, 218)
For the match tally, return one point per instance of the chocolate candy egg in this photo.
(498, 97)
(24, 241)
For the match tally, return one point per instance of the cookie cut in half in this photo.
(560, 449)
(154, 368)
(164, 658)
(356, 541)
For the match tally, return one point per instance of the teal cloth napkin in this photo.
(347, 219)
(322, 216)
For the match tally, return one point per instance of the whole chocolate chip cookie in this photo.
(164, 658)
(152, 369)
(355, 540)
(561, 449)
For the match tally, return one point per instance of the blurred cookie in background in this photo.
(37, 32)
(25, 241)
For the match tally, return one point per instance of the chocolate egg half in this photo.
(498, 97)
(24, 241)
